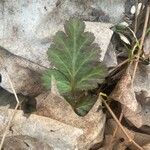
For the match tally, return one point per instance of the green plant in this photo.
(76, 60)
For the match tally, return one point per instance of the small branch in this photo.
(115, 131)
(118, 122)
(136, 16)
(141, 43)
(120, 118)
(13, 115)
(122, 63)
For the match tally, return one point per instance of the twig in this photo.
(13, 115)
(118, 122)
(122, 63)
(129, 59)
(115, 131)
(136, 16)
(14, 92)
(141, 43)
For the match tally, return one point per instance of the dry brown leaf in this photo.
(24, 143)
(112, 145)
(141, 86)
(135, 98)
(146, 48)
(124, 93)
(146, 147)
(56, 107)
(140, 138)
(139, 117)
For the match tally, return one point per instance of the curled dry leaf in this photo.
(110, 58)
(120, 138)
(111, 145)
(47, 130)
(142, 91)
(124, 93)
(118, 142)
(57, 108)
(146, 48)
(146, 147)
(135, 98)
(139, 117)
(22, 142)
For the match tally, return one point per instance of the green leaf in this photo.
(119, 28)
(90, 77)
(83, 107)
(61, 81)
(76, 59)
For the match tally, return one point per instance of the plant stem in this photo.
(120, 118)
(15, 110)
(136, 16)
(141, 43)
(118, 122)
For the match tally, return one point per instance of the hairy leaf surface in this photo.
(76, 59)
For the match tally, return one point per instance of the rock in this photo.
(22, 142)
(52, 132)
(92, 124)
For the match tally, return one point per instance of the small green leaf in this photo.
(85, 104)
(76, 59)
(61, 81)
(124, 38)
(119, 28)
(75, 55)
